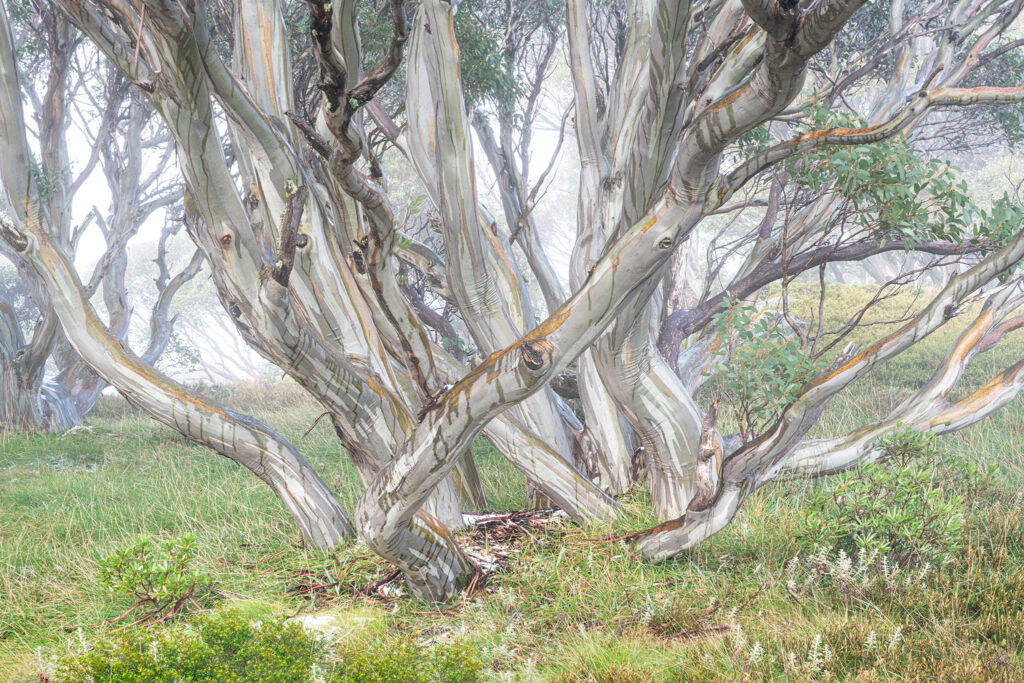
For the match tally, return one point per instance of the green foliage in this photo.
(754, 140)
(457, 345)
(895, 193)
(228, 647)
(180, 354)
(1002, 71)
(159, 577)
(405, 662)
(761, 367)
(22, 14)
(900, 510)
(223, 648)
(568, 608)
(486, 75)
(1002, 221)
(47, 181)
(416, 204)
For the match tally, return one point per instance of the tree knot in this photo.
(433, 402)
(13, 237)
(611, 182)
(537, 353)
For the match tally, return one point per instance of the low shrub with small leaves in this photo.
(158, 576)
(406, 662)
(224, 647)
(899, 510)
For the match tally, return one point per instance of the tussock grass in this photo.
(570, 608)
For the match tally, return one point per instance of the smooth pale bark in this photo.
(518, 215)
(647, 121)
(22, 365)
(242, 439)
(76, 388)
(63, 401)
(353, 382)
(759, 462)
(651, 157)
(646, 117)
(369, 413)
(928, 409)
(74, 391)
(663, 414)
(564, 484)
(601, 415)
(20, 401)
(628, 266)
(609, 465)
(889, 115)
(311, 504)
(23, 362)
(480, 271)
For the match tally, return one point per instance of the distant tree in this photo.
(683, 115)
(108, 116)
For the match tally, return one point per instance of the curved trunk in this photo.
(20, 404)
(558, 478)
(311, 504)
(22, 367)
(660, 409)
(928, 409)
(762, 460)
(240, 438)
(481, 272)
(652, 149)
(609, 463)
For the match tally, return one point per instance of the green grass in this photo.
(569, 609)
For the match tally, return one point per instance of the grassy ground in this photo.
(570, 608)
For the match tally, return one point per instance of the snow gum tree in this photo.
(817, 117)
(75, 97)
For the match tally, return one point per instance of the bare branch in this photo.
(289, 235)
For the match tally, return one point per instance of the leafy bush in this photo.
(895, 192)
(899, 510)
(224, 647)
(227, 647)
(406, 662)
(158, 576)
(902, 446)
(954, 472)
(761, 368)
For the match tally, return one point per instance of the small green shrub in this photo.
(762, 365)
(899, 510)
(954, 472)
(159, 576)
(405, 662)
(902, 446)
(227, 647)
(223, 647)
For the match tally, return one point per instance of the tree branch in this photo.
(289, 235)
(922, 102)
